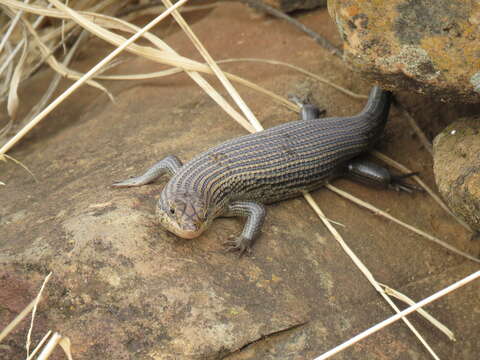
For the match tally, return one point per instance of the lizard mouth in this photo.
(187, 233)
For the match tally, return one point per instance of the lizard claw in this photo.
(238, 243)
(398, 184)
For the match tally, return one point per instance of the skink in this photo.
(238, 176)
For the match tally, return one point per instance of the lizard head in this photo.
(183, 213)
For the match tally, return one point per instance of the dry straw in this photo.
(399, 316)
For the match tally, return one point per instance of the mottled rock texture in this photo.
(457, 168)
(292, 5)
(429, 46)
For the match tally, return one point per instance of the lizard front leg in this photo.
(255, 214)
(170, 165)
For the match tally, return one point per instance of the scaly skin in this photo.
(238, 176)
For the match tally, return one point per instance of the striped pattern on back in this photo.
(282, 161)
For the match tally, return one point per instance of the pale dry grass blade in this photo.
(24, 313)
(5, 157)
(165, 57)
(125, 26)
(85, 77)
(65, 344)
(8, 61)
(115, 23)
(398, 295)
(215, 68)
(8, 329)
(46, 11)
(109, 21)
(399, 222)
(301, 70)
(153, 8)
(389, 161)
(277, 98)
(11, 27)
(13, 100)
(168, 55)
(56, 79)
(5, 89)
(400, 315)
(56, 66)
(52, 34)
(8, 67)
(39, 345)
(365, 270)
(34, 311)
(50, 346)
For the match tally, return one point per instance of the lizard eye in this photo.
(172, 211)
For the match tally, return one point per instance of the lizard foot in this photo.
(398, 184)
(238, 243)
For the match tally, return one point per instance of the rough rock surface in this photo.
(123, 288)
(292, 5)
(457, 168)
(428, 46)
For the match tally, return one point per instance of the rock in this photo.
(432, 47)
(457, 168)
(292, 5)
(122, 288)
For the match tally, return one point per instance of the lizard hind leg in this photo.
(308, 111)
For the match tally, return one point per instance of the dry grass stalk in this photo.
(400, 315)
(5, 157)
(125, 26)
(56, 80)
(8, 329)
(91, 22)
(398, 295)
(24, 314)
(50, 346)
(34, 311)
(13, 101)
(85, 77)
(65, 344)
(49, 36)
(215, 68)
(365, 270)
(303, 71)
(389, 161)
(153, 8)
(55, 65)
(277, 98)
(39, 345)
(399, 222)
(10, 29)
